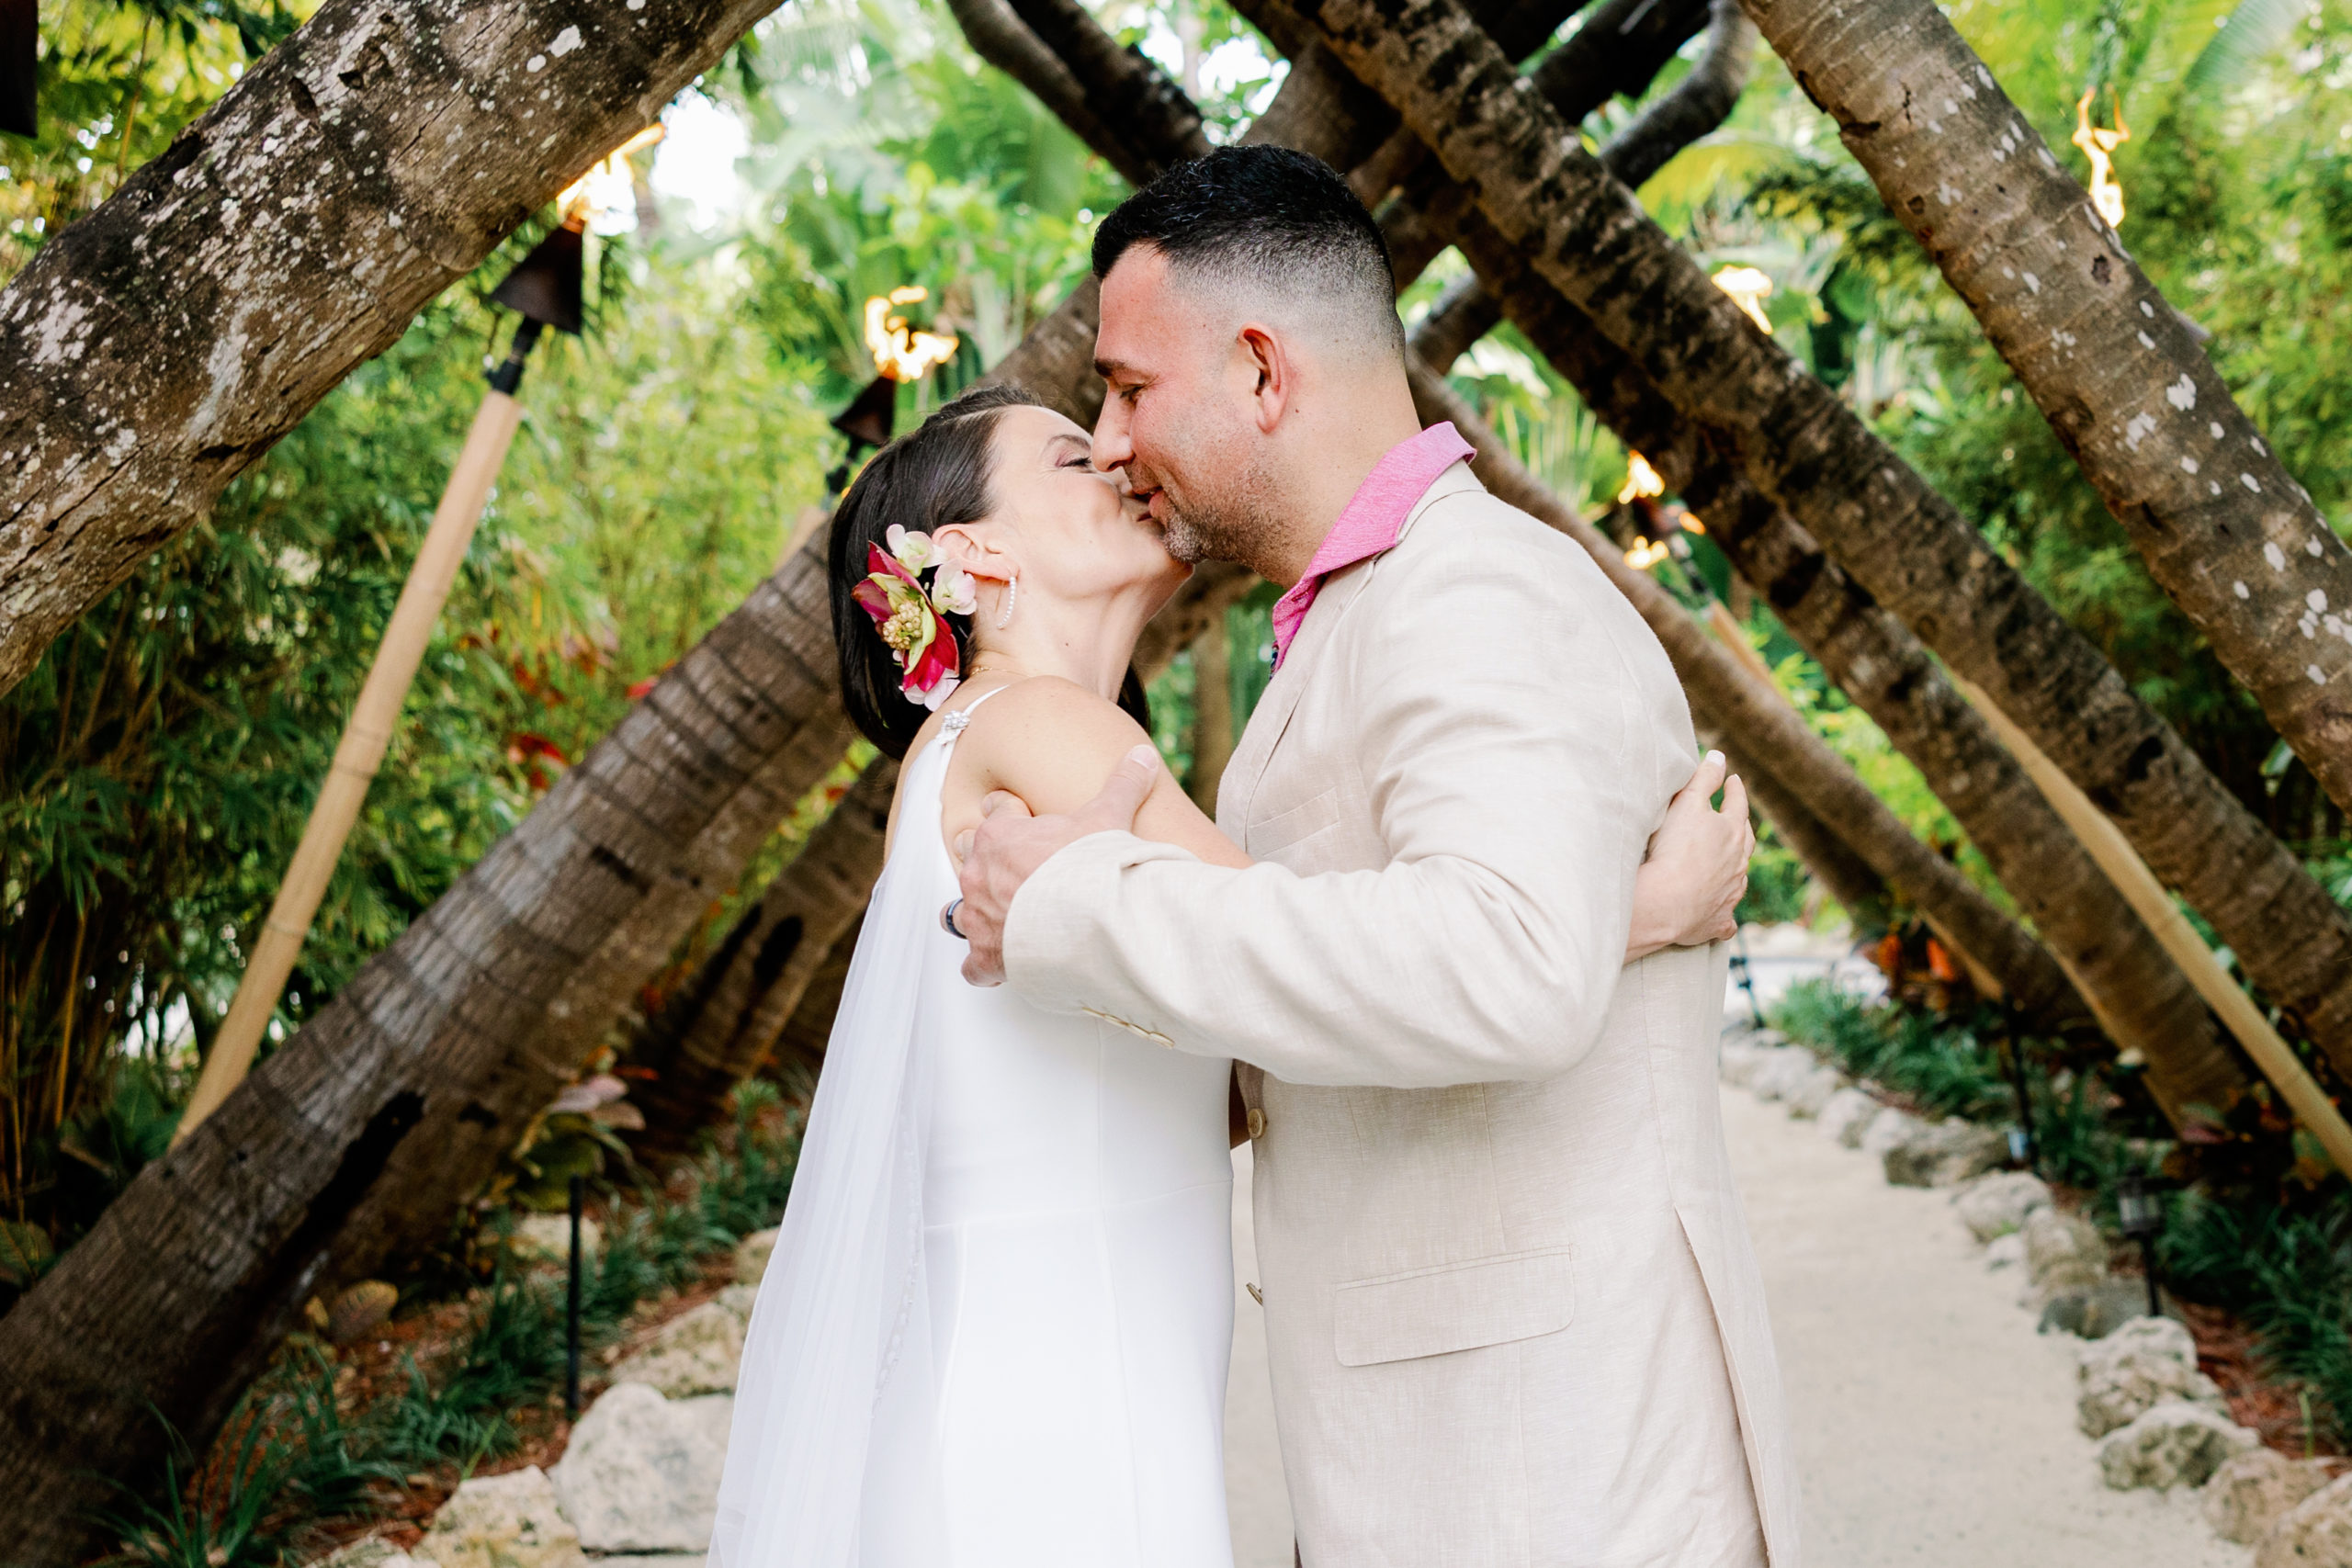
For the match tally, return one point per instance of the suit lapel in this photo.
(1255, 751)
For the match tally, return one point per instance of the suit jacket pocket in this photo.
(1457, 1306)
(1285, 828)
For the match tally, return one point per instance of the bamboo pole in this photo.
(2147, 896)
(358, 755)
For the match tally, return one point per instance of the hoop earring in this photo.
(1011, 593)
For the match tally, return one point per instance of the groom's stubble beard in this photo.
(1238, 524)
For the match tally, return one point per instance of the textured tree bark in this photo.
(1162, 126)
(159, 346)
(1618, 50)
(1798, 444)
(1694, 107)
(2140, 996)
(2226, 529)
(719, 1031)
(352, 1143)
(1759, 722)
(801, 1048)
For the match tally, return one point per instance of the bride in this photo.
(996, 1325)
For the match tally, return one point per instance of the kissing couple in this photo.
(1450, 955)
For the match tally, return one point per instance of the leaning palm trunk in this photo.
(1794, 440)
(1697, 105)
(355, 1143)
(2224, 528)
(718, 1030)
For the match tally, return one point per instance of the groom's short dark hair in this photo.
(1269, 215)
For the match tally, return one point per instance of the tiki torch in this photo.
(545, 290)
(901, 354)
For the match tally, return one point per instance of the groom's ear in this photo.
(1265, 358)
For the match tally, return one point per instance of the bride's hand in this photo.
(1685, 894)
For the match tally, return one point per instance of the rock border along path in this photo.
(1935, 1427)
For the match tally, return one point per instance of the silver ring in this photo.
(947, 919)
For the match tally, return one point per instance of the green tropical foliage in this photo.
(117, 79)
(303, 1455)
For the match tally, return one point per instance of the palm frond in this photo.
(2256, 30)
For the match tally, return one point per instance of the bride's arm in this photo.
(1044, 747)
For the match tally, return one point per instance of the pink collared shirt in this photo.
(1372, 519)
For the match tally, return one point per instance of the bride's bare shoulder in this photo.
(1049, 740)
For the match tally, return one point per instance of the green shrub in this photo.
(2286, 1273)
(1940, 1064)
(295, 1458)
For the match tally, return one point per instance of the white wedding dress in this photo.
(995, 1330)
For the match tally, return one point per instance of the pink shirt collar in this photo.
(1372, 519)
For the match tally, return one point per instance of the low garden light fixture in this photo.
(2141, 1214)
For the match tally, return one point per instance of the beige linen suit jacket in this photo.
(1514, 1314)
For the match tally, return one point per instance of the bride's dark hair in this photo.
(935, 475)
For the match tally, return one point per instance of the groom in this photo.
(1510, 1303)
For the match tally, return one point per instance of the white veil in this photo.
(843, 1316)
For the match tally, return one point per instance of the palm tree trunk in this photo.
(998, 36)
(353, 1142)
(158, 347)
(1792, 438)
(2120, 375)
(1693, 108)
(720, 1028)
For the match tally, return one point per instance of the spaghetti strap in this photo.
(953, 725)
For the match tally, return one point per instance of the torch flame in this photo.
(898, 353)
(608, 187)
(1641, 479)
(2099, 145)
(1646, 555)
(1747, 287)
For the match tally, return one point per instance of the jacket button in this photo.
(1257, 1123)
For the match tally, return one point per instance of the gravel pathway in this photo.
(1934, 1427)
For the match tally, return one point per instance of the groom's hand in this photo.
(1008, 844)
(1685, 894)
